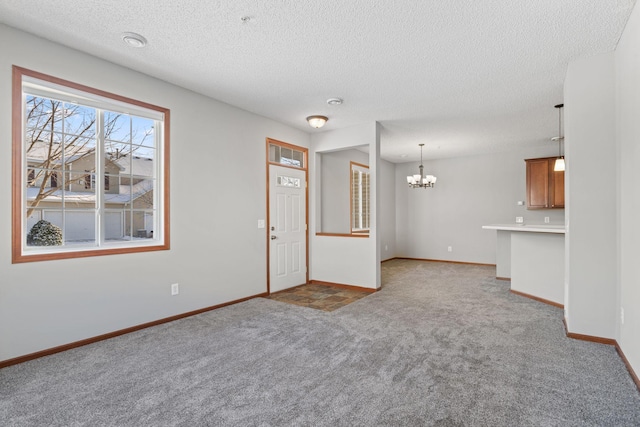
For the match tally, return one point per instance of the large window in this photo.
(360, 204)
(89, 169)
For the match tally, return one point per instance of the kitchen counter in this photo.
(532, 258)
(532, 228)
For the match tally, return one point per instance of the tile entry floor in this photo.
(320, 297)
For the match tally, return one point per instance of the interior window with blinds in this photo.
(360, 200)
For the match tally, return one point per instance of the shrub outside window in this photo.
(90, 170)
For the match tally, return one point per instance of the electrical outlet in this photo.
(622, 315)
(450, 249)
(175, 289)
(546, 220)
(519, 219)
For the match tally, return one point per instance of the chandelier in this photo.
(421, 181)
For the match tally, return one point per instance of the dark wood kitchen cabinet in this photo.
(545, 187)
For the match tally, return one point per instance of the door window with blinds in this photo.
(360, 198)
(286, 156)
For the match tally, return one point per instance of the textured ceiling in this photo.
(462, 76)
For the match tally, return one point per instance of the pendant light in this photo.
(559, 164)
(421, 181)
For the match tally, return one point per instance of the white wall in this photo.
(471, 192)
(217, 252)
(591, 183)
(347, 260)
(627, 66)
(387, 210)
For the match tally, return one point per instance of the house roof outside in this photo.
(126, 195)
(127, 164)
(135, 166)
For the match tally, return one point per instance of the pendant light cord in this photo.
(559, 165)
(560, 107)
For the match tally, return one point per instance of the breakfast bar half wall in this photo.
(532, 257)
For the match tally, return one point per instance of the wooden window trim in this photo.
(17, 172)
(304, 151)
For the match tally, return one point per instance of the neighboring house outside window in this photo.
(94, 166)
(31, 176)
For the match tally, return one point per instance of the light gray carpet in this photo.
(441, 345)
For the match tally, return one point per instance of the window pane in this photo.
(117, 127)
(79, 226)
(143, 194)
(288, 181)
(79, 120)
(143, 224)
(139, 225)
(143, 166)
(274, 153)
(143, 132)
(117, 154)
(114, 225)
(44, 228)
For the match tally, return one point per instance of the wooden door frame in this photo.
(305, 168)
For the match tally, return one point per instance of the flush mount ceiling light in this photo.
(559, 164)
(317, 121)
(421, 181)
(134, 39)
(335, 101)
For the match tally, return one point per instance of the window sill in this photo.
(49, 256)
(343, 234)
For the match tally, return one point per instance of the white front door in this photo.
(287, 228)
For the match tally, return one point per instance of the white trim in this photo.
(43, 89)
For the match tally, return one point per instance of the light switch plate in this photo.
(261, 223)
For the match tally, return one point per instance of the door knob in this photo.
(273, 237)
